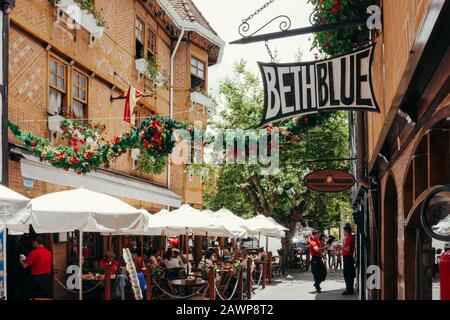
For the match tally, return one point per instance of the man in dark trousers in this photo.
(348, 251)
(317, 265)
(40, 261)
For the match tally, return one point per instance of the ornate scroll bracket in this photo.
(244, 28)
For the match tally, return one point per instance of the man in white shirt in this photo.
(170, 261)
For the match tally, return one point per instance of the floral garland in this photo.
(336, 42)
(88, 151)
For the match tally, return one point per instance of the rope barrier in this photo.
(232, 294)
(179, 297)
(77, 291)
(259, 281)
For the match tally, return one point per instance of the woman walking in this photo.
(317, 265)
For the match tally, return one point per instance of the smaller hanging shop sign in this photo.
(329, 180)
(340, 83)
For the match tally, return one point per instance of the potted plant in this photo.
(342, 40)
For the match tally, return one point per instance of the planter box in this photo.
(81, 17)
(200, 98)
(135, 153)
(54, 123)
(141, 68)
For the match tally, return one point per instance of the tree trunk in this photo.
(287, 242)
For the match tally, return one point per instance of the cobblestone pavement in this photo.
(295, 285)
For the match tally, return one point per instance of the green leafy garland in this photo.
(87, 151)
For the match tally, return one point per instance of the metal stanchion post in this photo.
(212, 284)
(148, 277)
(264, 274)
(249, 278)
(107, 282)
(240, 285)
(270, 267)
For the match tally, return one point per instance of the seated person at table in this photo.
(226, 255)
(206, 260)
(237, 255)
(262, 255)
(170, 261)
(114, 263)
(182, 261)
(152, 259)
(216, 255)
(137, 259)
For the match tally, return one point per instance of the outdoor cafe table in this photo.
(186, 286)
(196, 274)
(188, 283)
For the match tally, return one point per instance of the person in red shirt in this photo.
(40, 262)
(317, 265)
(114, 263)
(175, 243)
(348, 251)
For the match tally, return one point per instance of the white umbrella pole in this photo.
(207, 245)
(267, 244)
(186, 240)
(5, 271)
(80, 253)
(259, 240)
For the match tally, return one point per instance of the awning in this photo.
(101, 181)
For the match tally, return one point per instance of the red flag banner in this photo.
(133, 97)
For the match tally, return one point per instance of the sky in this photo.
(225, 16)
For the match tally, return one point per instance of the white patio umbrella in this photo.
(191, 220)
(187, 219)
(262, 226)
(83, 210)
(147, 226)
(230, 217)
(10, 203)
(279, 226)
(229, 226)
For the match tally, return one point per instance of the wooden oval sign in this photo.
(329, 180)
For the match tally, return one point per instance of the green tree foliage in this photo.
(244, 190)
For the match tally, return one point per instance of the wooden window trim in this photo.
(66, 70)
(82, 74)
(143, 29)
(197, 68)
(149, 32)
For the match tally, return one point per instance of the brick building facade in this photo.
(85, 69)
(403, 152)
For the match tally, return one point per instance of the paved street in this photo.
(300, 287)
